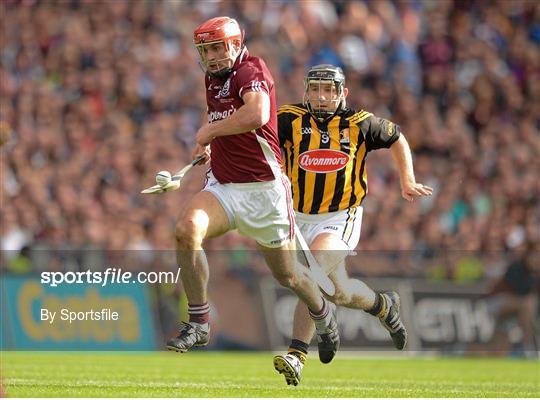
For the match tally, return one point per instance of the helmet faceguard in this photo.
(324, 108)
(208, 36)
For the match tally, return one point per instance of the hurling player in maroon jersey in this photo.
(246, 188)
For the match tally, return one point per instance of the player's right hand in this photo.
(202, 150)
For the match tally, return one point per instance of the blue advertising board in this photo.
(86, 317)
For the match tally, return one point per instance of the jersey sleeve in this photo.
(252, 78)
(379, 133)
(284, 127)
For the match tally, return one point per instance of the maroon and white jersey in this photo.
(246, 157)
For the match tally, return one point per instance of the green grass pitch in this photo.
(216, 374)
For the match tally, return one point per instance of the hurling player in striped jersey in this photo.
(325, 144)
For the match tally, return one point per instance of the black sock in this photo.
(299, 349)
(299, 345)
(377, 306)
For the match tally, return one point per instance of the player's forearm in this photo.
(248, 117)
(401, 153)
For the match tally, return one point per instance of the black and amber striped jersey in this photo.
(326, 161)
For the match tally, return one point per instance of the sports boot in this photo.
(290, 366)
(190, 335)
(328, 337)
(392, 321)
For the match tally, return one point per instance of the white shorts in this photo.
(345, 224)
(259, 210)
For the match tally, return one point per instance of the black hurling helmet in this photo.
(324, 73)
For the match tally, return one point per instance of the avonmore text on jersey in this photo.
(306, 160)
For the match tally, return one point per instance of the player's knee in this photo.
(341, 297)
(188, 234)
(287, 280)
(184, 237)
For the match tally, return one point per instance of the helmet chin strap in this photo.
(221, 74)
(324, 115)
(224, 72)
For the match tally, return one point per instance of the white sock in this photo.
(204, 326)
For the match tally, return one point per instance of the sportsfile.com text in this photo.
(110, 275)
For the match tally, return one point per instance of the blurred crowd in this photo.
(97, 96)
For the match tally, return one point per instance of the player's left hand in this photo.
(411, 190)
(202, 151)
(204, 135)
